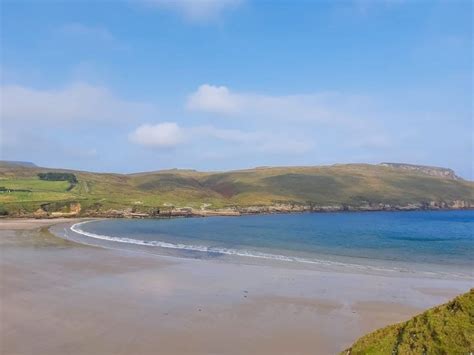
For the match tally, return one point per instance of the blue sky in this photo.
(215, 85)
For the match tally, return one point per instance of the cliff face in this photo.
(75, 210)
(427, 170)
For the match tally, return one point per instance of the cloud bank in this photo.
(74, 103)
(323, 107)
(172, 135)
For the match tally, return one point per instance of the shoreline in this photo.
(29, 223)
(221, 213)
(323, 262)
(320, 262)
(122, 302)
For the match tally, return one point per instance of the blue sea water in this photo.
(421, 237)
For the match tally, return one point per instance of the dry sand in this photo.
(59, 297)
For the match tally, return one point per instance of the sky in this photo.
(128, 86)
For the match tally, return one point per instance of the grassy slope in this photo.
(354, 185)
(446, 329)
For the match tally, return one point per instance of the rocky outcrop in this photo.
(58, 210)
(74, 210)
(427, 170)
(40, 213)
(299, 208)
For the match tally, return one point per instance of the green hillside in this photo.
(446, 329)
(25, 190)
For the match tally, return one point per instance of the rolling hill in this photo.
(28, 190)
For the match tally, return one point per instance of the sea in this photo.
(428, 242)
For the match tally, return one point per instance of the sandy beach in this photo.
(61, 297)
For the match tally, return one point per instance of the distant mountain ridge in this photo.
(341, 187)
(25, 164)
(425, 169)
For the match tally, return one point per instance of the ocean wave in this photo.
(234, 252)
(217, 250)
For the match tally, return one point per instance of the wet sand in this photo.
(59, 297)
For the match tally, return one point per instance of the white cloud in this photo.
(161, 135)
(215, 99)
(170, 134)
(74, 103)
(355, 117)
(196, 10)
(38, 124)
(327, 107)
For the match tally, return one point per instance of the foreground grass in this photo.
(446, 329)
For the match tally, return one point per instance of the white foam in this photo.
(227, 251)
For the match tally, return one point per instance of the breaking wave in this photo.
(253, 254)
(218, 250)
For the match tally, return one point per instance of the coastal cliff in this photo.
(428, 170)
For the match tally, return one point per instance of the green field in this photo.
(447, 329)
(349, 186)
(34, 184)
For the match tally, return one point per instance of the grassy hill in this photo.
(446, 329)
(336, 187)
